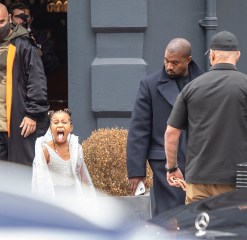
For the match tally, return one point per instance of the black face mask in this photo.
(4, 31)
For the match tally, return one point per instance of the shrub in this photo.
(105, 157)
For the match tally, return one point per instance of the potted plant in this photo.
(105, 157)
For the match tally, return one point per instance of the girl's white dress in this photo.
(60, 176)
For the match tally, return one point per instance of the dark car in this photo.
(219, 217)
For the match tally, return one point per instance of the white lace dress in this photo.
(72, 175)
(61, 171)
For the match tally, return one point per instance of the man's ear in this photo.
(10, 18)
(189, 59)
(31, 20)
(238, 56)
(71, 128)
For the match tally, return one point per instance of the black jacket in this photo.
(27, 93)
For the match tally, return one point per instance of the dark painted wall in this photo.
(232, 17)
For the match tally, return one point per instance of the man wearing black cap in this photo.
(213, 108)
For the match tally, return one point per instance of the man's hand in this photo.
(177, 174)
(180, 182)
(134, 182)
(28, 126)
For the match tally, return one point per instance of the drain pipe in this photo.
(210, 23)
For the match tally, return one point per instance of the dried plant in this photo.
(105, 157)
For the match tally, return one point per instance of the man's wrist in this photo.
(171, 170)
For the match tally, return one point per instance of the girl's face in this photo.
(60, 126)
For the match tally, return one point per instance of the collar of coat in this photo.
(168, 87)
(223, 66)
(194, 71)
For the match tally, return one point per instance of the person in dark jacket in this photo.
(154, 102)
(23, 93)
(21, 14)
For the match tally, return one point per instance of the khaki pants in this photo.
(195, 192)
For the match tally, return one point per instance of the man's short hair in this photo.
(18, 5)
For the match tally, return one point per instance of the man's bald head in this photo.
(179, 45)
(177, 57)
(4, 22)
(3, 10)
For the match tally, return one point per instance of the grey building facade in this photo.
(113, 44)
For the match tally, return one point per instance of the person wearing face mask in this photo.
(23, 93)
(154, 103)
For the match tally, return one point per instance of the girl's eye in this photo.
(62, 122)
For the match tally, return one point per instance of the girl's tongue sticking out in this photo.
(60, 137)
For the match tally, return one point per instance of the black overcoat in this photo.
(154, 102)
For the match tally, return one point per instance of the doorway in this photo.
(50, 22)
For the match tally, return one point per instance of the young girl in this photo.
(59, 169)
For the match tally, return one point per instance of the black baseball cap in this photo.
(224, 41)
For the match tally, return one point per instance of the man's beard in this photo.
(172, 75)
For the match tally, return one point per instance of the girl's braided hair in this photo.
(65, 110)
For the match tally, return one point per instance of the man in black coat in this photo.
(23, 93)
(154, 102)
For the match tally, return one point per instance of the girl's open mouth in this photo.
(60, 135)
